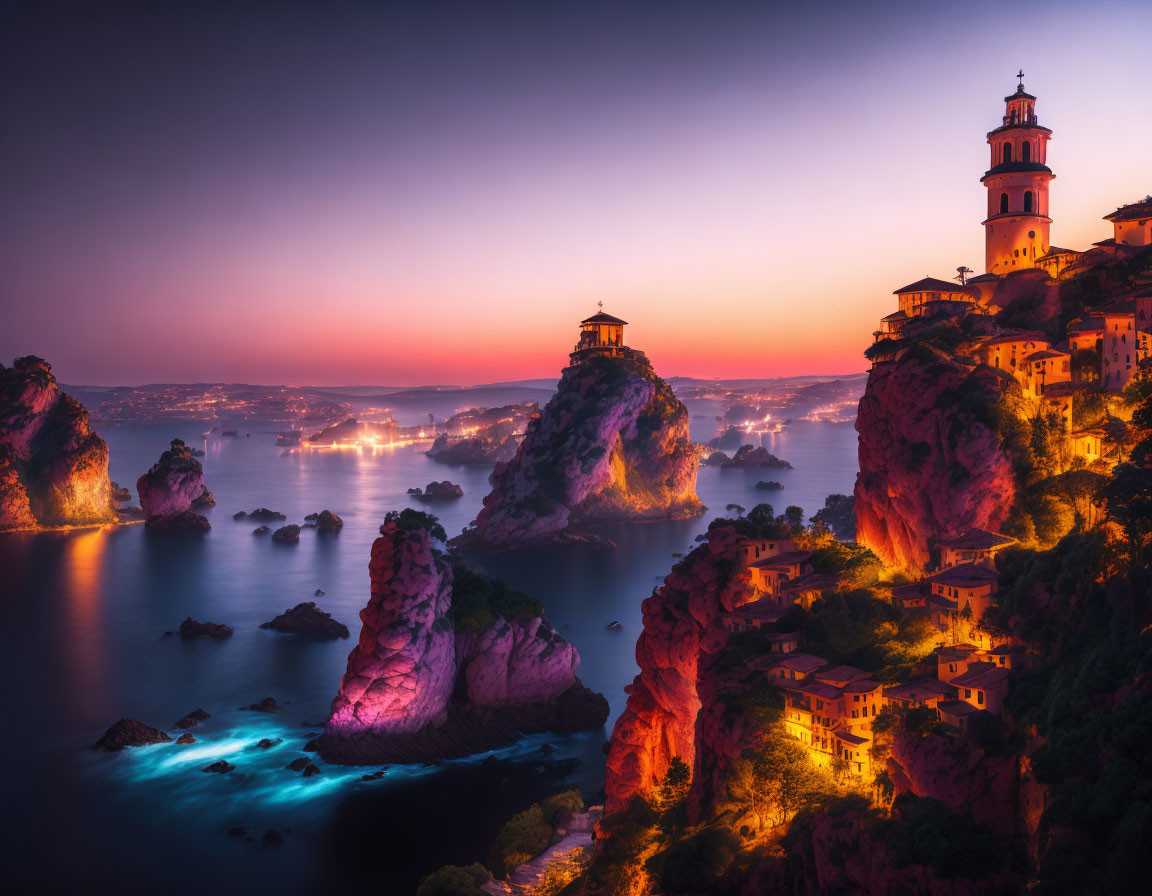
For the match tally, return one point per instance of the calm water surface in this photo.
(82, 646)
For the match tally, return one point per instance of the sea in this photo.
(83, 644)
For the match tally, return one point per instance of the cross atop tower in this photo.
(1020, 75)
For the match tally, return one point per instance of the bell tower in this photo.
(1016, 229)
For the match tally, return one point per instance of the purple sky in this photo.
(438, 192)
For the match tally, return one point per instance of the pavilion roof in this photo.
(602, 318)
(930, 284)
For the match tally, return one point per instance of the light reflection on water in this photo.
(82, 646)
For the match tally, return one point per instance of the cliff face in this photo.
(420, 685)
(612, 444)
(53, 468)
(173, 484)
(931, 461)
(984, 789)
(682, 622)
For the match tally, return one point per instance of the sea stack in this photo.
(53, 468)
(612, 445)
(449, 663)
(171, 488)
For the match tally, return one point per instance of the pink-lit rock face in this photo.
(517, 662)
(612, 444)
(984, 789)
(682, 623)
(53, 468)
(173, 483)
(401, 674)
(929, 463)
(417, 688)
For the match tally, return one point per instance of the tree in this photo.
(776, 781)
(794, 517)
(455, 880)
(1129, 498)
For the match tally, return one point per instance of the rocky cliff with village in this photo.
(612, 445)
(956, 701)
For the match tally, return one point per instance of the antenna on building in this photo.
(962, 273)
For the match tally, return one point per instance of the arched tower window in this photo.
(1027, 201)
(1007, 153)
(1003, 203)
(1026, 152)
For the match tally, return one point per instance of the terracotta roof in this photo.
(930, 284)
(911, 590)
(1021, 336)
(1132, 212)
(981, 675)
(811, 582)
(977, 540)
(1053, 251)
(952, 652)
(790, 558)
(1004, 650)
(1086, 325)
(957, 708)
(918, 690)
(861, 686)
(1046, 353)
(800, 662)
(966, 575)
(840, 673)
(896, 315)
(1122, 307)
(850, 738)
(602, 318)
(816, 689)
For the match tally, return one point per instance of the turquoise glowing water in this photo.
(82, 646)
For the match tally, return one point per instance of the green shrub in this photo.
(520, 840)
(410, 520)
(556, 807)
(455, 880)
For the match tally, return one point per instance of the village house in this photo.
(922, 692)
(1132, 224)
(1088, 443)
(1057, 262)
(912, 597)
(956, 713)
(1007, 351)
(973, 546)
(751, 616)
(983, 685)
(831, 712)
(773, 572)
(766, 547)
(970, 586)
(806, 589)
(784, 642)
(794, 666)
(1124, 345)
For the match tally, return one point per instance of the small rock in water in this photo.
(311, 518)
(319, 592)
(298, 765)
(614, 626)
(193, 719)
(130, 733)
(308, 619)
(264, 515)
(415, 491)
(239, 515)
(268, 743)
(261, 530)
(287, 534)
(190, 628)
(185, 739)
(310, 770)
(327, 521)
(768, 485)
(268, 704)
(374, 776)
(271, 838)
(219, 767)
